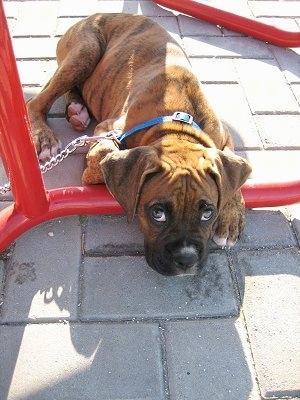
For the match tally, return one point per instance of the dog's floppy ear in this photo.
(125, 172)
(229, 171)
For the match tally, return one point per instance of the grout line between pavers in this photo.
(6, 258)
(234, 278)
(83, 219)
(119, 321)
(164, 360)
(243, 318)
(80, 289)
(241, 247)
(294, 233)
(277, 112)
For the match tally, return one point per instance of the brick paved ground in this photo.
(84, 317)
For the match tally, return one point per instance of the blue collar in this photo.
(177, 116)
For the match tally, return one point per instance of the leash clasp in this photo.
(111, 135)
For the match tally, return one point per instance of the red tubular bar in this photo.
(248, 26)
(33, 203)
(271, 194)
(18, 154)
(62, 202)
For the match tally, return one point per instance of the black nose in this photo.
(186, 257)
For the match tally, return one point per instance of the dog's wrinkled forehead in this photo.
(184, 190)
(177, 208)
(147, 173)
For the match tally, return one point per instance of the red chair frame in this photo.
(34, 204)
(226, 19)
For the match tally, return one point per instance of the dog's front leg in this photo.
(44, 139)
(92, 174)
(230, 222)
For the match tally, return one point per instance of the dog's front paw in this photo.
(45, 141)
(230, 222)
(46, 144)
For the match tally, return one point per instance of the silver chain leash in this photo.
(69, 149)
(5, 189)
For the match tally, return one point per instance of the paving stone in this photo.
(205, 46)
(266, 229)
(271, 304)
(286, 24)
(214, 70)
(82, 9)
(7, 252)
(147, 8)
(266, 91)
(226, 100)
(11, 23)
(112, 235)
(296, 91)
(77, 361)
(64, 23)
(125, 288)
(295, 210)
(275, 8)
(170, 23)
(209, 359)
(289, 63)
(273, 166)
(230, 33)
(235, 6)
(42, 274)
(2, 266)
(4, 204)
(36, 72)
(36, 18)
(68, 173)
(4, 181)
(11, 8)
(39, 48)
(277, 131)
(58, 108)
(194, 27)
(128, 6)
(66, 133)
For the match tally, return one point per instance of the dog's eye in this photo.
(207, 214)
(158, 213)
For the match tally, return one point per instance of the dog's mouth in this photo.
(176, 259)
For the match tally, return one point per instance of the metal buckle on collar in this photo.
(182, 117)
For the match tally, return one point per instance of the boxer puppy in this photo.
(165, 156)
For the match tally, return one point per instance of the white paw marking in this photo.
(223, 242)
(79, 117)
(230, 243)
(47, 153)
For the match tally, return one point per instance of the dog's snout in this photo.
(186, 257)
(177, 258)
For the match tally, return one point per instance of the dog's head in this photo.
(176, 193)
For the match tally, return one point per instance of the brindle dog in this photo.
(179, 175)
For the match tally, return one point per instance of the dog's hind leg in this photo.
(76, 112)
